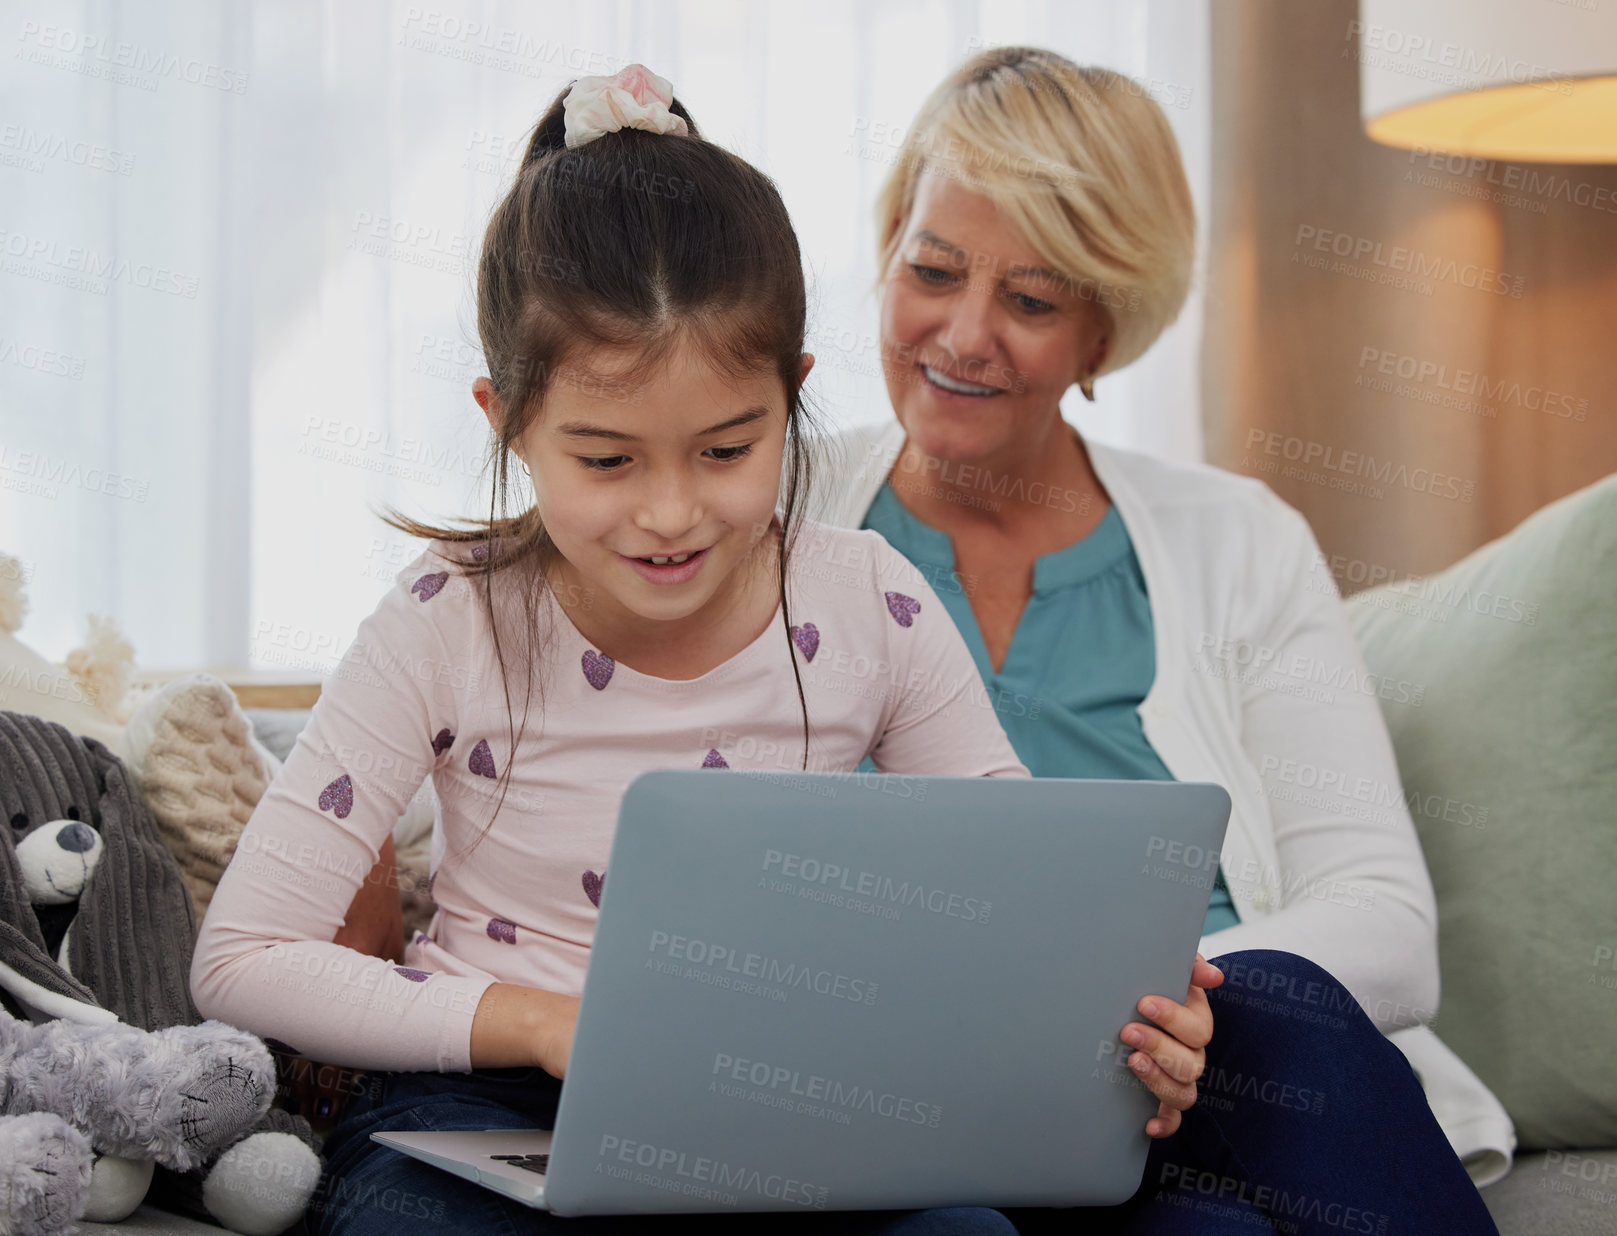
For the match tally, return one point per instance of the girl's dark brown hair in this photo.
(635, 240)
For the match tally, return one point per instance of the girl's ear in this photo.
(483, 392)
(808, 363)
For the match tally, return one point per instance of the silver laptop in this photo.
(865, 991)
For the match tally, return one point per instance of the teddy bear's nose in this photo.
(78, 837)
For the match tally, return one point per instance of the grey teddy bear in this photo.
(104, 1071)
(174, 1096)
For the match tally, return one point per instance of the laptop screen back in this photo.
(866, 991)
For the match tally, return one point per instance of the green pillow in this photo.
(1509, 764)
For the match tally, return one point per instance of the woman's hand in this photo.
(1170, 1059)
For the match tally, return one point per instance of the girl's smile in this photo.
(677, 568)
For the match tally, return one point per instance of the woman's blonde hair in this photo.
(1081, 161)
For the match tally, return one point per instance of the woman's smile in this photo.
(951, 386)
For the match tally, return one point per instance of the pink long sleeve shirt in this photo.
(418, 693)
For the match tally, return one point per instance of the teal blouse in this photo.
(1082, 658)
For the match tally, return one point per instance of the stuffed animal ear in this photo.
(131, 942)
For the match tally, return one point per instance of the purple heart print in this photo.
(593, 884)
(481, 760)
(902, 608)
(428, 586)
(598, 668)
(338, 797)
(807, 638)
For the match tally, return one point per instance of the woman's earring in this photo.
(1087, 385)
(523, 463)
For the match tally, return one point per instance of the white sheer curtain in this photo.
(238, 240)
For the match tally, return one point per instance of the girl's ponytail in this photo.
(549, 136)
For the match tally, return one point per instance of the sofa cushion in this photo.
(1559, 1193)
(1507, 746)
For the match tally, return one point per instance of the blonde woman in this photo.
(1037, 232)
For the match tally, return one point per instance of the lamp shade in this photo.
(1519, 80)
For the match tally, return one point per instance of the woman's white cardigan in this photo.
(1261, 688)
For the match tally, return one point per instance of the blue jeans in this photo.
(1309, 1123)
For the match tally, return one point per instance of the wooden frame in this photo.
(254, 688)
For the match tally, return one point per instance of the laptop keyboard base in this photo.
(536, 1163)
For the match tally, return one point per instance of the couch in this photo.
(1504, 718)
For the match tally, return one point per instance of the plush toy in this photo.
(175, 1097)
(100, 1050)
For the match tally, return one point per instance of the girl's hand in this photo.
(553, 1040)
(519, 1027)
(1170, 1059)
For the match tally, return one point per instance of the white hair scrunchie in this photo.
(635, 98)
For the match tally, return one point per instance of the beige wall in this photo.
(1285, 350)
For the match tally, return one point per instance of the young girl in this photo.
(641, 306)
